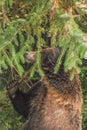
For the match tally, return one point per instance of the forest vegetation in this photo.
(27, 25)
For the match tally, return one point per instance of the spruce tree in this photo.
(32, 25)
(27, 25)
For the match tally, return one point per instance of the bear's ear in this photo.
(56, 51)
(30, 57)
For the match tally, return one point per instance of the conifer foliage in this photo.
(34, 24)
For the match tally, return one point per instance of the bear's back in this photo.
(53, 110)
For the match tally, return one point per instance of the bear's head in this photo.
(49, 57)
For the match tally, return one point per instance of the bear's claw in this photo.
(12, 87)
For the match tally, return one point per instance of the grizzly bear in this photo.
(54, 102)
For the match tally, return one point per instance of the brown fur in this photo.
(54, 102)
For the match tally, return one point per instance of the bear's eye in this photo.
(50, 56)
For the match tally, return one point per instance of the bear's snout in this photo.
(30, 56)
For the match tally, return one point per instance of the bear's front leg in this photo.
(18, 98)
